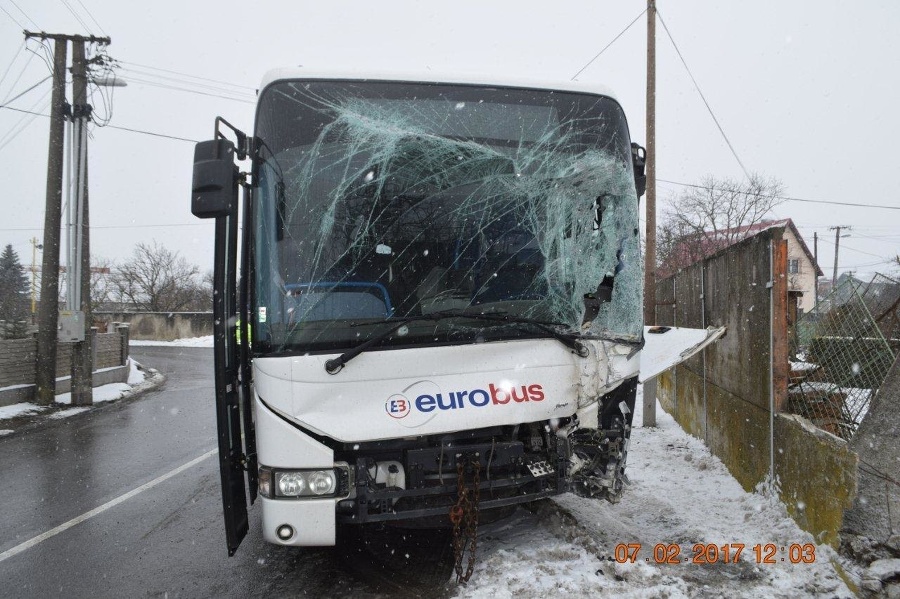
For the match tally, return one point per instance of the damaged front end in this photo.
(419, 480)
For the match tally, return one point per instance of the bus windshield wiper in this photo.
(570, 340)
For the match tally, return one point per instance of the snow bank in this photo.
(101, 394)
(679, 496)
(206, 341)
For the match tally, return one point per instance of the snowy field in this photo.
(679, 495)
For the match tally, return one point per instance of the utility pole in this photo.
(80, 269)
(649, 404)
(48, 314)
(837, 244)
(816, 270)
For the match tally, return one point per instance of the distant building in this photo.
(802, 268)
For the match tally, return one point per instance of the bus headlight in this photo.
(322, 482)
(330, 482)
(290, 484)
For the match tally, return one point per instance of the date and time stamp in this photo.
(710, 553)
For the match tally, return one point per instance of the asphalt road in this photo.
(84, 513)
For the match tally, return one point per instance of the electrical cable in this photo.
(852, 249)
(790, 199)
(190, 91)
(25, 92)
(112, 126)
(77, 17)
(92, 17)
(12, 133)
(12, 62)
(197, 224)
(22, 72)
(143, 66)
(206, 86)
(30, 20)
(699, 91)
(175, 137)
(13, 18)
(621, 33)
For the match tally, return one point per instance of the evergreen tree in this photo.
(13, 295)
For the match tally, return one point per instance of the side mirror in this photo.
(214, 191)
(639, 161)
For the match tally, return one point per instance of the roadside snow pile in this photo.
(206, 341)
(101, 394)
(680, 496)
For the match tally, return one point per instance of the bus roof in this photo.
(432, 77)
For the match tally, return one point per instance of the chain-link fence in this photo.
(839, 360)
(882, 298)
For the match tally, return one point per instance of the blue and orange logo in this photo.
(400, 406)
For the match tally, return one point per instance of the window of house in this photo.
(793, 266)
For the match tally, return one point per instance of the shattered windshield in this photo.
(377, 201)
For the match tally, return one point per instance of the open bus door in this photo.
(215, 186)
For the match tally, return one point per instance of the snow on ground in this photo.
(206, 341)
(679, 495)
(103, 393)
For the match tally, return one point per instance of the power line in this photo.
(175, 137)
(197, 224)
(789, 199)
(12, 17)
(847, 247)
(187, 82)
(608, 45)
(22, 72)
(75, 14)
(92, 17)
(190, 91)
(141, 131)
(19, 127)
(699, 91)
(852, 266)
(144, 66)
(25, 92)
(30, 20)
(12, 62)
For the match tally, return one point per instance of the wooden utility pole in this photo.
(649, 404)
(837, 245)
(816, 270)
(82, 351)
(48, 314)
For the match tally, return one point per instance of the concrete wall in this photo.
(17, 361)
(162, 326)
(723, 395)
(876, 511)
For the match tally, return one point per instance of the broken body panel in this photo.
(440, 277)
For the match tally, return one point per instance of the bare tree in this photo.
(712, 215)
(101, 283)
(157, 279)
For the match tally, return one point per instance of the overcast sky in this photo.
(805, 91)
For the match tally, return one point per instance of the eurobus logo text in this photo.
(399, 406)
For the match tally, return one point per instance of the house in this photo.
(802, 269)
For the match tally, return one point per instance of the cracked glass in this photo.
(379, 201)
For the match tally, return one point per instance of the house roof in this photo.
(708, 245)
